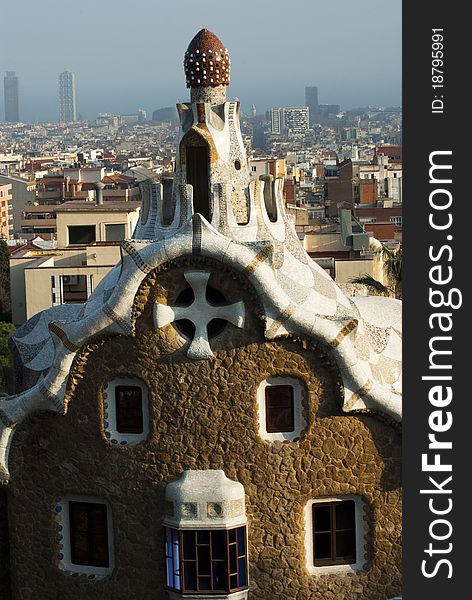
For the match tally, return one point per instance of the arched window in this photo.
(335, 529)
(280, 407)
(195, 152)
(84, 536)
(126, 411)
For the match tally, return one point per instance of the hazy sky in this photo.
(127, 55)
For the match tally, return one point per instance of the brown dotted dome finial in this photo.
(206, 62)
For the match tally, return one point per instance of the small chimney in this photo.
(99, 187)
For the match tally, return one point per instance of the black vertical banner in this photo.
(437, 401)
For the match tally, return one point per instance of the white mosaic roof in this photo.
(363, 335)
(298, 297)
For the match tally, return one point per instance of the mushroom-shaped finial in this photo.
(206, 61)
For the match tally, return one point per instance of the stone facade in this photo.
(203, 416)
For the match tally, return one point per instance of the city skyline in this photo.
(272, 65)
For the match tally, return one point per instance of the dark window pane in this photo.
(233, 559)
(203, 537)
(80, 548)
(218, 544)
(346, 545)
(81, 234)
(204, 583)
(190, 576)
(334, 532)
(100, 546)
(233, 582)
(232, 535)
(115, 232)
(79, 516)
(322, 546)
(129, 409)
(189, 545)
(88, 533)
(96, 514)
(198, 171)
(242, 579)
(203, 555)
(279, 408)
(322, 518)
(241, 541)
(219, 576)
(345, 515)
(74, 289)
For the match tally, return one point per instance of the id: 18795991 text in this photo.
(437, 70)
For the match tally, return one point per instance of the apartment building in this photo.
(6, 225)
(88, 247)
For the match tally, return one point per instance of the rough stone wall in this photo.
(203, 415)
(4, 548)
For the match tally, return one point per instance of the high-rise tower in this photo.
(311, 100)
(10, 89)
(277, 120)
(67, 97)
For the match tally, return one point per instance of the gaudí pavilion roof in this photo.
(362, 335)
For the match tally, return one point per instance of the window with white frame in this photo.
(85, 535)
(71, 289)
(280, 408)
(126, 410)
(334, 534)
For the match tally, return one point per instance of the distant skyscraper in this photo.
(10, 90)
(311, 100)
(253, 111)
(297, 118)
(67, 97)
(277, 120)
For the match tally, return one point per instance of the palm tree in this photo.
(392, 266)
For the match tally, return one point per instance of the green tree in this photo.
(5, 301)
(6, 329)
(392, 266)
